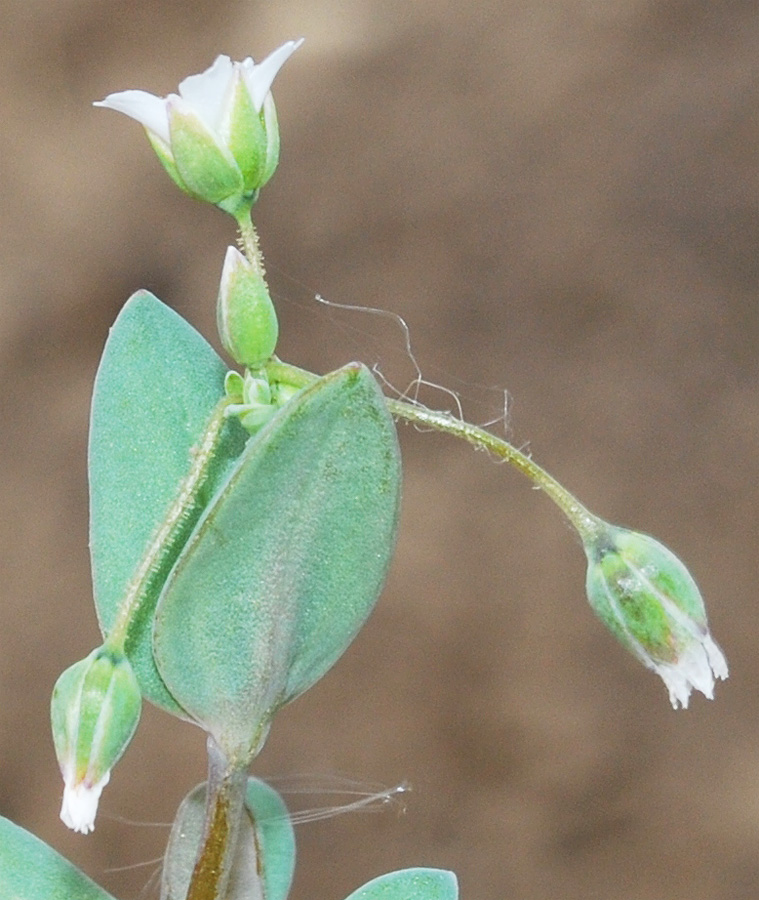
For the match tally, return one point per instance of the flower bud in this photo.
(218, 138)
(253, 403)
(650, 602)
(95, 709)
(245, 315)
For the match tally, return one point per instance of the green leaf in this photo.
(275, 838)
(30, 870)
(265, 855)
(155, 390)
(286, 564)
(410, 884)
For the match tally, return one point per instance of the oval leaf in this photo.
(287, 562)
(410, 884)
(265, 855)
(30, 870)
(155, 390)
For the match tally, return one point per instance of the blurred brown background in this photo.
(561, 197)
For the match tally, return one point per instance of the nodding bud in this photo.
(95, 709)
(245, 315)
(650, 602)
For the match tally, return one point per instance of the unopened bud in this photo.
(253, 403)
(650, 602)
(245, 315)
(94, 711)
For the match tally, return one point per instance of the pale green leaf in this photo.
(31, 870)
(155, 390)
(286, 564)
(410, 884)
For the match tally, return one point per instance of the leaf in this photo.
(155, 390)
(31, 870)
(265, 855)
(410, 884)
(286, 564)
(275, 838)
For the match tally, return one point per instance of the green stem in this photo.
(225, 796)
(586, 524)
(164, 539)
(249, 240)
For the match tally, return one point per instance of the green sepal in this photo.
(157, 386)
(163, 152)
(31, 870)
(207, 170)
(410, 884)
(247, 135)
(286, 565)
(265, 855)
(94, 711)
(271, 126)
(644, 594)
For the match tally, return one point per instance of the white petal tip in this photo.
(696, 669)
(80, 805)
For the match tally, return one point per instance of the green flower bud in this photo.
(254, 403)
(245, 315)
(218, 138)
(652, 605)
(94, 711)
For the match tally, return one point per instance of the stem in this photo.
(162, 543)
(586, 524)
(225, 798)
(249, 240)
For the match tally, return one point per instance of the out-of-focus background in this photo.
(562, 201)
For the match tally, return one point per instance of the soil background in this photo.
(562, 201)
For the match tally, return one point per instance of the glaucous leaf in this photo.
(155, 391)
(31, 870)
(286, 564)
(410, 884)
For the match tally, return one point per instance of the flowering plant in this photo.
(242, 524)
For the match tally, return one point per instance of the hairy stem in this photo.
(176, 518)
(586, 524)
(249, 241)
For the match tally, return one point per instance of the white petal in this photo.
(716, 658)
(678, 686)
(207, 92)
(146, 108)
(260, 78)
(698, 665)
(80, 804)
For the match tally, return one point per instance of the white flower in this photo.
(218, 137)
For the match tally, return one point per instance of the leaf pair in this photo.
(279, 555)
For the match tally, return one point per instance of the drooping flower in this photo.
(218, 137)
(94, 710)
(650, 602)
